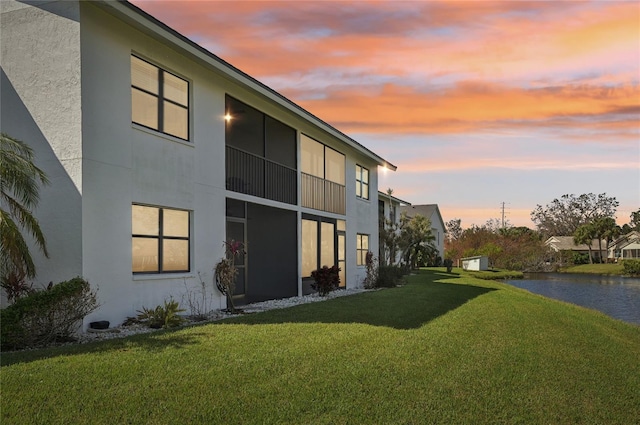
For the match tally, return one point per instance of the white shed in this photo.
(477, 263)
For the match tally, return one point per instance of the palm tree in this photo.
(607, 229)
(584, 235)
(416, 239)
(19, 194)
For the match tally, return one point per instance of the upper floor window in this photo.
(362, 182)
(160, 239)
(159, 99)
(323, 176)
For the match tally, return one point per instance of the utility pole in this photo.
(503, 213)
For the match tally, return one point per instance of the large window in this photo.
(159, 99)
(362, 247)
(362, 182)
(323, 244)
(323, 176)
(160, 239)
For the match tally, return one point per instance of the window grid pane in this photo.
(176, 89)
(334, 166)
(144, 75)
(175, 255)
(175, 223)
(145, 220)
(144, 108)
(327, 253)
(144, 255)
(176, 120)
(309, 247)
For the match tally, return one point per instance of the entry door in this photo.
(236, 230)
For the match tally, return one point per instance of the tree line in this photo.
(586, 218)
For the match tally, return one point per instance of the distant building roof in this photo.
(392, 198)
(565, 243)
(426, 210)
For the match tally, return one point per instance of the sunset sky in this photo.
(476, 102)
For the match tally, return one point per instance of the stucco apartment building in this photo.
(158, 151)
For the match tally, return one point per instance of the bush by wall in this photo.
(46, 316)
(390, 276)
(326, 279)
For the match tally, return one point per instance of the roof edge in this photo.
(140, 17)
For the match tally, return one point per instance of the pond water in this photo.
(616, 296)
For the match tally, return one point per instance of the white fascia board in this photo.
(392, 198)
(141, 20)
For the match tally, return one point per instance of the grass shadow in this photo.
(153, 342)
(425, 298)
(406, 307)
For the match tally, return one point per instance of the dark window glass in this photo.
(245, 127)
(280, 140)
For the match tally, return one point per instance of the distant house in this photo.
(477, 263)
(388, 207)
(625, 247)
(432, 212)
(566, 243)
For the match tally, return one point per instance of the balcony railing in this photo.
(253, 175)
(321, 194)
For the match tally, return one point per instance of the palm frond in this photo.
(20, 181)
(15, 255)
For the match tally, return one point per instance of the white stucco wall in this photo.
(125, 164)
(41, 105)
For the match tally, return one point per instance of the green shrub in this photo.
(162, 316)
(326, 279)
(47, 316)
(631, 267)
(448, 263)
(390, 276)
(580, 258)
(372, 271)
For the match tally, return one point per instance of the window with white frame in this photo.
(362, 182)
(160, 240)
(362, 247)
(159, 99)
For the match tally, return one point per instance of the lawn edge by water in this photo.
(609, 269)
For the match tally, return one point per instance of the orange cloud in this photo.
(488, 40)
(476, 106)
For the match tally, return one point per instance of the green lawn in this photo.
(446, 348)
(608, 269)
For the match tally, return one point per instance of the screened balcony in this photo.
(254, 175)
